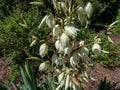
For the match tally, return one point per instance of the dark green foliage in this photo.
(4, 87)
(105, 11)
(104, 85)
(14, 38)
(29, 82)
(107, 85)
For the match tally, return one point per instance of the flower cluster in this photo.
(68, 59)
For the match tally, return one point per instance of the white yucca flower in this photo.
(89, 9)
(74, 59)
(96, 49)
(50, 21)
(81, 43)
(56, 31)
(56, 72)
(62, 5)
(60, 61)
(43, 50)
(64, 39)
(68, 50)
(82, 15)
(71, 31)
(59, 46)
(43, 67)
(54, 58)
(84, 51)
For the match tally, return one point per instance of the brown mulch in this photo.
(100, 72)
(4, 68)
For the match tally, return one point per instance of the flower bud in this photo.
(50, 21)
(74, 59)
(96, 49)
(56, 72)
(81, 43)
(54, 58)
(64, 7)
(82, 15)
(71, 31)
(56, 31)
(59, 46)
(60, 61)
(68, 50)
(65, 40)
(89, 9)
(43, 50)
(43, 67)
(84, 51)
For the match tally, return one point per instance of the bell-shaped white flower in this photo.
(89, 9)
(43, 67)
(71, 31)
(59, 46)
(84, 51)
(64, 39)
(68, 50)
(60, 61)
(81, 43)
(56, 31)
(50, 21)
(96, 49)
(54, 58)
(62, 6)
(56, 72)
(43, 50)
(74, 59)
(82, 15)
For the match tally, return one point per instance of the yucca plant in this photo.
(29, 82)
(104, 85)
(67, 61)
(107, 85)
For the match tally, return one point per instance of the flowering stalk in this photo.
(67, 58)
